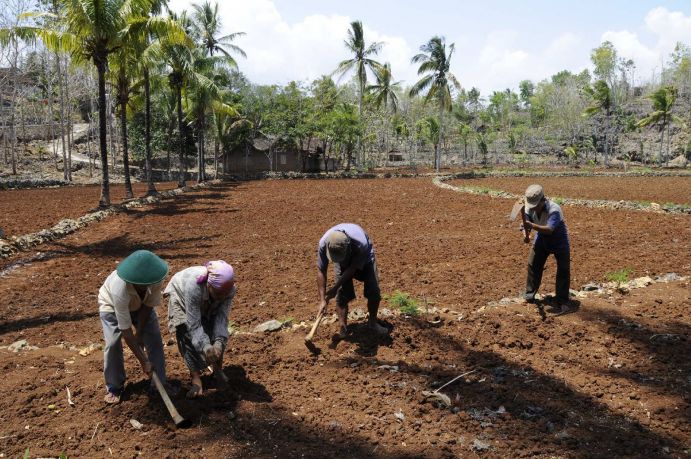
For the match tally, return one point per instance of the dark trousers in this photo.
(536, 265)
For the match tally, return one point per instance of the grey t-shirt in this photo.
(361, 248)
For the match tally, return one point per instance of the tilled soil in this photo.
(611, 379)
(30, 210)
(661, 190)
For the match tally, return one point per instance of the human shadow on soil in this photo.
(366, 341)
(666, 347)
(541, 408)
(31, 322)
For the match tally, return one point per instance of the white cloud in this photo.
(278, 51)
(667, 28)
(502, 63)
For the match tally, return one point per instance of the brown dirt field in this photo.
(612, 379)
(652, 189)
(30, 210)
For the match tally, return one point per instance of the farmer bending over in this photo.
(199, 302)
(547, 219)
(127, 302)
(349, 248)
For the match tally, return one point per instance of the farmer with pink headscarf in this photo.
(199, 300)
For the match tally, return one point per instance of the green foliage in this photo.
(621, 276)
(404, 302)
(26, 454)
(520, 158)
(571, 153)
(557, 200)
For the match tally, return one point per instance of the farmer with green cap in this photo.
(349, 248)
(127, 302)
(547, 220)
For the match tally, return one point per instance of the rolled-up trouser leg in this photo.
(563, 275)
(113, 359)
(536, 265)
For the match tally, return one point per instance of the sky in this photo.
(498, 42)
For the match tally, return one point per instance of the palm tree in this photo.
(180, 62)
(122, 62)
(438, 81)
(93, 30)
(601, 98)
(384, 91)
(201, 94)
(207, 26)
(663, 101)
(361, 60)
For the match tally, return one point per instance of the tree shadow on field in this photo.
(28, 323)
(541, 411)
(667, 347)
(121, 246)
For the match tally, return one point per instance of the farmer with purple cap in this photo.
(127, 301)
(199, 300)
(349, 248)
(546, 218)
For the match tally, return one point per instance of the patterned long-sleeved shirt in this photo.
(189, 302)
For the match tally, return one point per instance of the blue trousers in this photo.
(113, 358)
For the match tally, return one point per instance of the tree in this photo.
(93, 30)
(601, 102)
(180, 62)
(526, 89)
(663, 101)
(438, 81)
(361, 60)
(384, 91)
(207, 26)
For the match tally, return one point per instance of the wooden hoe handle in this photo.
(319, 318)
(179, 420)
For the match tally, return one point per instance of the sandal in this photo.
(195, 391)
(112, 398)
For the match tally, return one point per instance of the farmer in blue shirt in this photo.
(349, 248)
(547, 219)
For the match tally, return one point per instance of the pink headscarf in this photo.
(219, 274)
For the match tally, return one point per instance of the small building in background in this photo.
(273, 154)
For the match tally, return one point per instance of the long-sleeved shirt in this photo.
(361, 248)
(120, 297)
(189, 302)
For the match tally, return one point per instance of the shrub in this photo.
(620, 276)
(404, 302)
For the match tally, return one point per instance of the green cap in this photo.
(142, 268)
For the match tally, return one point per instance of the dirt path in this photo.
(648, 189)
(611, 379)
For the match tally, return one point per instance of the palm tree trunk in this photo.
(62, 116)
(102, 141)
(181, 179)
(216, 158)
(360, 146)
(669, 141)
(662, 143)
(151, 188)
(123, 131)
